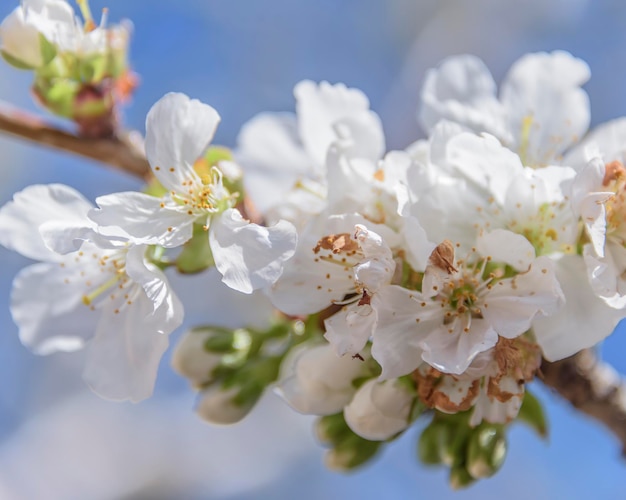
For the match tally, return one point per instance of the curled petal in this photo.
(250, 256)
(178, 130)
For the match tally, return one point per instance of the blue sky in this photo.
(244, 57)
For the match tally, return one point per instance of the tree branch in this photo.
(117, 152)
(591, 386)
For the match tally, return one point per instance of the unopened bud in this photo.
(379, 410)
(460, 478)
(222, 406)
(193, 360)
(486, 451)
(351, 453)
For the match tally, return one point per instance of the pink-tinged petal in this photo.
(167, 308)
(329, 112)
(453, 352)
(48, 309)
(511, 306)
(608, 141)
(124, 355)
(145, 219)
(250, 256)
(35, 206)
(178, 130)
(547, 109)
(349, 330)
(582, 322)
(402, 323)
(273, 159)
(506, 247)
(462, 90)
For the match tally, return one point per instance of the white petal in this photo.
(453, 352)
(250, 256)
(349, 330)
(36, 205)
(273, 158)
(585, 319)
(320, 108)
(396, 340)
(124, 355)
(145, 219)
(512, 306)
(607, 140)
(178, 130)
(462, 90)
(484, 161)
(506, 247)
(49, 311)
(547, 109)
(167, 311)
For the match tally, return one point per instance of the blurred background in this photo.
(58, 441)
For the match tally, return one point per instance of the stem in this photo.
(117, 152)
(592, 387)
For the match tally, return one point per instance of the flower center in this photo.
(102, 273)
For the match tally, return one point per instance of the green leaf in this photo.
(532, 414)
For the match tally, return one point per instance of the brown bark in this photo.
(592, 387)
(117, 152)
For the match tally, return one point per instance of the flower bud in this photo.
(23, 45)
(223, 406)
(432, 442)
(351, 453)
(486, 451)
(318, 382)
(193, 360)
(460, 478)
(379, 410)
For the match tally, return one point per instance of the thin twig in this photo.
(119, 153)
(593, 387)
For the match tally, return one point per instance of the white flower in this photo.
(379, 410)
(284, 156)
(104, 295)
(483, 186)
(542, 109)
(316, 381)
(341, 260)
(461, 311)
(178, 130)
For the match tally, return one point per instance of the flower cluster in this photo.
(80, 68)
(429, 281)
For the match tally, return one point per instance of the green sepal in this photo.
(196, 255)
(532, 414)
(352, 452)
(48, 50)
(16, 63)
(460, 477)
(93, 69)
